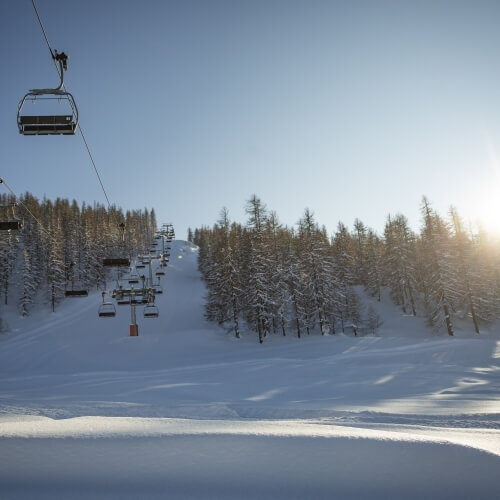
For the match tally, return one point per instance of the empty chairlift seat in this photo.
(107, 310)
(11, 222)
(151, 311)
(11, 225)
(76, 293)
(116, 262)
(47, 125)
(58, 112)
(47, 122)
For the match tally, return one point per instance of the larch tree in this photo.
(439, 273)
(400, 262)
(258, 291)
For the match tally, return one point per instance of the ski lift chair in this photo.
(150, 311)
(60, 124)
(133, 279)
(76, 293)
(107, 310)
(78, 289)
(116, 262)
(13, 223)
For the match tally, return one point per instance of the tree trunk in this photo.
(473, 313)
(447, 318)
(412, 301)
(235, 321)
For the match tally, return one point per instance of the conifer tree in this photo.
(224, 290)
(374, 252)
(463, 249)
(258, 296)
(317, 268)
(344, 270)
(400, 263)
(439, 279)
(276, 236)
(359, 240)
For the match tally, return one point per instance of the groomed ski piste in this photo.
(186, 411)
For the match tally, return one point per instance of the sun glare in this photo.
(484, 208)
(485, 211)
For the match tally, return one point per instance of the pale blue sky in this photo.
(350, 108)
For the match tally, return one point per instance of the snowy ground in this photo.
(185, 411)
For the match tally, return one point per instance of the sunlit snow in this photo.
(185, 410)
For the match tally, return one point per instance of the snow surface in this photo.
(187, 411)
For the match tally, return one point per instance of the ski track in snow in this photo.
(88, 412)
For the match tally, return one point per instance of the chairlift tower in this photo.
(134, 327)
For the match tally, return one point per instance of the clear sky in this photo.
(350, 108)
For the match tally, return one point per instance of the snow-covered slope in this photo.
(186, 411)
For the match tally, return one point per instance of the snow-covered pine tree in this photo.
(55, 276)
(486, 276)
(373, 321)
(28, 284)
(223, 302)
(439, 274)
(400, 263)
(258, 290)
(278, 237)
(374, 254)
(295, 283)
(359, 247)
(9, 247)
(317, 270)
(464, 263)
(344, 271)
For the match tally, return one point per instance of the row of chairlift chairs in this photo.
(108, 310)
(123, 296)
(132, 295)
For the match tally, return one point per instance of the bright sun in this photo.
(485, 210)
(484, 207)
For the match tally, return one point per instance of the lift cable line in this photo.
(43, 31)
(60, 69)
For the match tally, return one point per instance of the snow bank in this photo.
(186, 411)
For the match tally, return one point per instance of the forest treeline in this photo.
(284, 280)
(62, 245)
